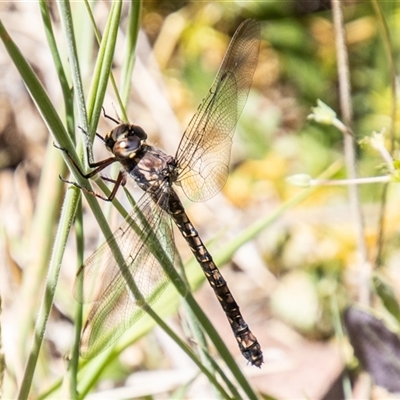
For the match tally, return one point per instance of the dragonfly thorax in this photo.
(152, 170)
(125, 140)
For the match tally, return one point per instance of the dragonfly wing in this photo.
(204, 151)
(119, 291)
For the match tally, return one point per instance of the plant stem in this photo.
(349, 150)
(392, 130)
(51, 284)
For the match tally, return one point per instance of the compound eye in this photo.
(126, 147)
(116, 134)
(139, 132)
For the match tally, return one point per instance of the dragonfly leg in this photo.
(97, 134)
(120, 181)
(109, 117)
(91, 163)
(99, 166)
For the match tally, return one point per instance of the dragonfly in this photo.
(126, 270)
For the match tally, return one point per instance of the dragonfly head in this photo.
(125, 140)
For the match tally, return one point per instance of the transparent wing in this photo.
(204, 151)
(143, 243)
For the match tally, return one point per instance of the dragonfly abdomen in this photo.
(248, 343)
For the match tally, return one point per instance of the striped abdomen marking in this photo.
(248, 343)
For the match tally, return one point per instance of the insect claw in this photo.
(57, 146)
(111, 118)
(69, 182)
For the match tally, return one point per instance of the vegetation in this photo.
(308, 217)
